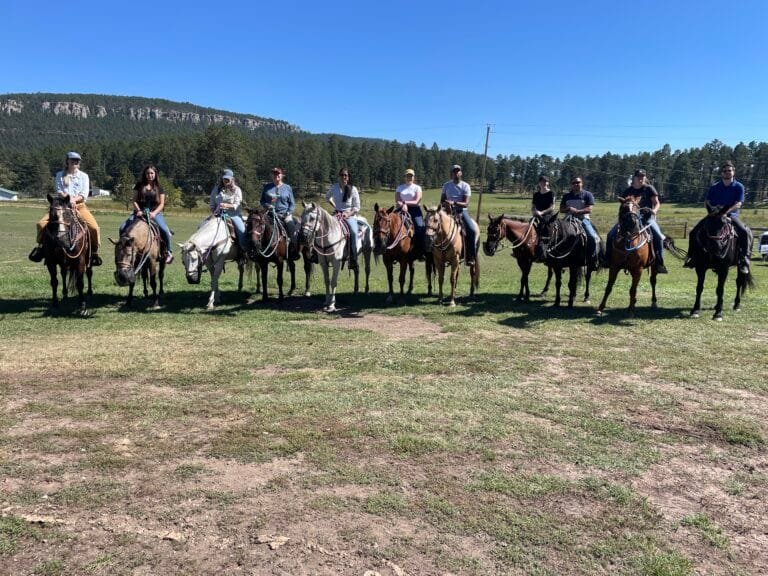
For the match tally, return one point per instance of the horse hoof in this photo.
(695, 314)
(587, 301)
(307, 294)
(654, 305)
(209, 307)
(737, 308)
(717, 318)
(452, 304)
(599, 313)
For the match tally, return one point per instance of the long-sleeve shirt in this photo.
(232, 196)
(336, 193)
(281, 198)
(79, 184)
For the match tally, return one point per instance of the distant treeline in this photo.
(191, 156)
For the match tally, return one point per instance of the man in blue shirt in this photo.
(279, 196)
(578, 203)
(726, 197)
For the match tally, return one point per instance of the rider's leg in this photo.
(293, 241)
(166, 232)
(37, 252)
(592, 238)
(93, 230)
(419, 230)
(658, 245)
(352, 222)
(472, 232)
(745, 244)
(609, 239)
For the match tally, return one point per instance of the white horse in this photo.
(210, 247)
(322, 233)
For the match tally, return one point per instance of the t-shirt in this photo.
(721, 195)
(645, 194)
(408, 192)
(578, 200)
(543, 200)
(456, 192)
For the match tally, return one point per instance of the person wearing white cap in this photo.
(226, 198)
(74, 183)
(408, 197)
(456, 193)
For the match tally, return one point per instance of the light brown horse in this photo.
(393, 240)
(631, 251)
(445, 241)
(138, 250)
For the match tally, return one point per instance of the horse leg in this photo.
(741, 285)
(280, 280)
(701, 274)
(429, 268)
(390, 265)
(455, 266)
(333, 284)
(241, 270)
(612, 274)
(80, 286)
(474, 276)
(558, 285)
(54, 274)
(587, 278)
(161, 276)
(144, 280)
(64, 283)
(129, 301)
(654, 303)
(722, 276)
(636, 274)
(573, 277)
(292, 272)
(367, 257)
(213, 298)
(264, 272)
(525, 269)
(89, 276)
(549, 278)
(327, 280)
(440, 277)
(153, 285)
(411, 269)
(307, 272)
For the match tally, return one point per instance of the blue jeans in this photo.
(420, 228)
(160, 221)
(352, 223)
(592, 240)
(472, 233)
(239, 224)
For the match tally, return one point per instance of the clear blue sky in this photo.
(550, 77)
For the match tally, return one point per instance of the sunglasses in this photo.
(576, 182)
(344, 175)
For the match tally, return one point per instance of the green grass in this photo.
(520, 439)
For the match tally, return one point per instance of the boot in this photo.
(37, 254)
(660, 268)
(95, 260)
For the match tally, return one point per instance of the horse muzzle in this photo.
(489, 248)
(124, 277)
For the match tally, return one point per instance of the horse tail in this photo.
(746, 282)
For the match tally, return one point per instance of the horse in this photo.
(445, 241)
(567, 248)
(210, 246)
(393, 240)
(632, 252)
(139, 250)
(524, 239)
(714, 246)
(324, 236)
(67, 244)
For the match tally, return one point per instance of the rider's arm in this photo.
(86, 188)
(160, 205)
(213, 203)
(354, 202)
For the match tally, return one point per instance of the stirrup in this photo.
(96, 260)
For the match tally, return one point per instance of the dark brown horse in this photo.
(524, 238)
(393, 240)
(138, 251)
(67, 245)
(631, 251)
(567, 248)
(714, 246)
(269, 244)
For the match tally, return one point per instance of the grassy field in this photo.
(493, 438)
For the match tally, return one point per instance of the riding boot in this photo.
(37, 254)
(95, 260)
(660, 268)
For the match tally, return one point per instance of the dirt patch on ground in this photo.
(390, 327)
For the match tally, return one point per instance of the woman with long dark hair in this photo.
(149, 195)
(345, 199)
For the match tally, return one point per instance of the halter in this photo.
(629, 235)
(556, 228)
(74, 230)
(274, 239)
(448, 241)
(321, 248)
(401, 233)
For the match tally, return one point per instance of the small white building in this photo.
(95, 192)
(8, 195)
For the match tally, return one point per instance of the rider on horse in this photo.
(647, 198)
(578, 203)
(345, 199)
(408, 199)
(543, 211)
(74, 183)
(279, 196)
(456, 193)
(149, 195)
(226, 198)
(726, 197)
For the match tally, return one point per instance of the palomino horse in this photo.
(322, 234)
(210, 246)
(444, 240)
(714, 246)
(632, 252)
(66, 244)
(138, 250)
(567, 248)
(394, 241)
(524, 238)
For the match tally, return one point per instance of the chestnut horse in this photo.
(138, 250)
(445, 241)
(714, 246)
(631, 251)
(524, 238)
(67, 244)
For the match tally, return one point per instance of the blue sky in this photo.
(549, 77)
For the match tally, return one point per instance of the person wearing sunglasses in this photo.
(578, 203)
(408, 198)
(345, 199)
(543, 210)
(456, 193)
(279, 195)
(726, 197)
(74, 183)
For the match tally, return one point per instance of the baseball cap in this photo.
(639, 172)
(73, 156)
(410, 171)
(455, 167)
(227, 173)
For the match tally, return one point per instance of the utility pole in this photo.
(482, 172)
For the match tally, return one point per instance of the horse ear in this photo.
(391, 209)
(113, 242)
(376, 207)
(50, 198)
(490, 216)
(303, 203)
(180, 245)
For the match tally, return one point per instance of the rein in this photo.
(524, 239)
(79, 230)
(551, 249)
(445, 244)
(320, 249)
(402, 233)
(274, 239)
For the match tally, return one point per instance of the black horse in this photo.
(567, 248)
(714, 246)
(67, 245)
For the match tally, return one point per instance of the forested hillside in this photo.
(190, 144)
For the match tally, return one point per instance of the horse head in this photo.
(125, 259)
(256, 225)
(630, 221)
(431, 225)
(310, 221)
(61, 218)
(382, 228)
(193, 262)
(494, 235)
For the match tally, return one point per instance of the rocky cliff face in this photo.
(139, 113)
